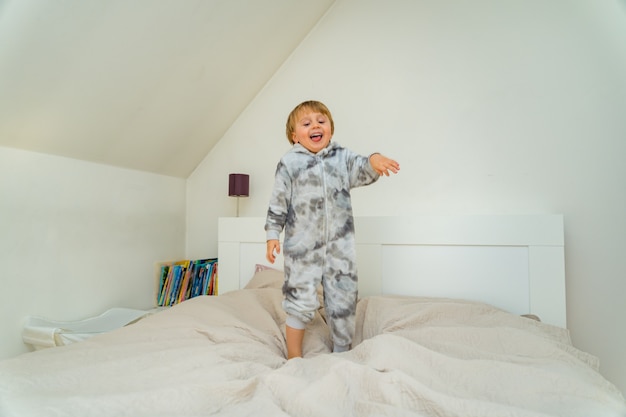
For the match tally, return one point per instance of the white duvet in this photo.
(225, 356)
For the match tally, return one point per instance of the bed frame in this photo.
(512, 262)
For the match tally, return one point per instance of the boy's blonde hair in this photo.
(310, 105)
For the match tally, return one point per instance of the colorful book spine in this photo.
(162, 282)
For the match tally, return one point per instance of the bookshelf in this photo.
(177, 281)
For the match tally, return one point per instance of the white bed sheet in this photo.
(225, 356)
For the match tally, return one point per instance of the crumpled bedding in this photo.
(225, 355)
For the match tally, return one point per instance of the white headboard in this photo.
(512, 262)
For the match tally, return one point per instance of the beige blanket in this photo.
(225, 356)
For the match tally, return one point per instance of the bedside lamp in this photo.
(238, 186)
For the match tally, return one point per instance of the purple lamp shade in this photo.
(238, 185)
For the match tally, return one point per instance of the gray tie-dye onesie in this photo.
(311, 202)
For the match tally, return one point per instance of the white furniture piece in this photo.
(41, 333)
(514, 262)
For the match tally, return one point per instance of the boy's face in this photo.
(312, 130)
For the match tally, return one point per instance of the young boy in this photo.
(311, 202)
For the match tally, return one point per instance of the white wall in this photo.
(77, 238)
(489, 106)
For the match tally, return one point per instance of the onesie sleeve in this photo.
(279, 203)
(360, 170)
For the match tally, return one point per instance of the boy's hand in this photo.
(272, 245)
(383, 165)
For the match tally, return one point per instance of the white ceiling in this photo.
(150, 85)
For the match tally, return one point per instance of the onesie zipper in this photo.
(324, 196)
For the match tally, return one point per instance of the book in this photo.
(183, 294)
(207, 279)
(197, 281)
(178, 271)
(166, 286)
(162, 281)
(213, 281)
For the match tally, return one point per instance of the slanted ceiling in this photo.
(150, 85)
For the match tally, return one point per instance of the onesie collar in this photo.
(301, 149)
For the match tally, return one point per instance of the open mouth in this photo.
(316, 137)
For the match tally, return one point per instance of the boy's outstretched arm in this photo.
(383, 165)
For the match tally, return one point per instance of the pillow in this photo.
(261, 267)
(266, 277)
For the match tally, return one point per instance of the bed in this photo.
(457, 316)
